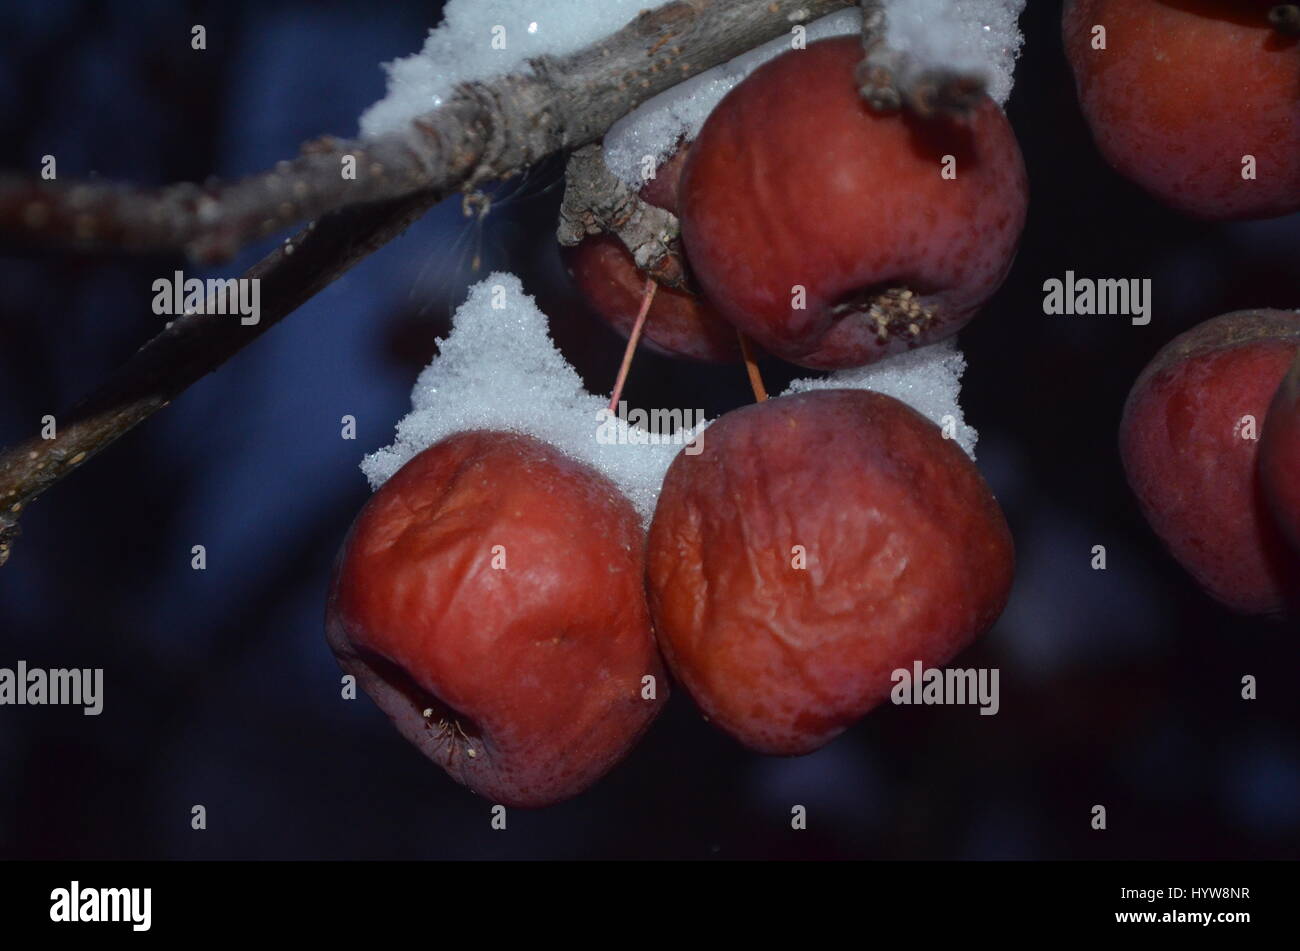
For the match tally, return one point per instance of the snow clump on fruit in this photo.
(499, 369)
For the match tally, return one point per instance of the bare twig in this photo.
(597, 201)
(212, 222)
(191, 347)
(487, 131)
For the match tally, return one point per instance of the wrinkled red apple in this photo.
(795, 183)
(908, 558)
(1279, 456)
(1183, 92)
(1186, 444)
(680, 322)
(523, 682)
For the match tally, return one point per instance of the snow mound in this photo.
(927, 379)
(499, 369)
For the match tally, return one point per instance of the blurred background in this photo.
(1119, 687)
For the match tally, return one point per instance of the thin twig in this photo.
(192, 346)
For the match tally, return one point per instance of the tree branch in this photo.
(487, 131)
(597, 201)
(191, 347)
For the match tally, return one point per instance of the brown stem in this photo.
(751, 367)
(647, 298)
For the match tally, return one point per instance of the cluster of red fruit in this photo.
(501, 602)
(1199, 103)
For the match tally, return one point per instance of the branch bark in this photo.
(487, 131)
(597, 201)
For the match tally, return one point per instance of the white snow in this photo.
(927, 379)
(977, 36)
(499, 369)
(481, 39)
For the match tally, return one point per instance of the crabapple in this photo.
(1279, 456)
(1186, 99)
(1189, 439)
(680, 322)
(490, 599)
(834, 235)
(816, 544)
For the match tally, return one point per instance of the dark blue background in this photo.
(1119, 687)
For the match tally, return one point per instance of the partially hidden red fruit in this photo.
(816, 544)
(680, 322)
(801, 206)
(490, 599)
(1183, 92)
(1189, 440)
(1279, 456)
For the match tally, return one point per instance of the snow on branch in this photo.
(482, 131)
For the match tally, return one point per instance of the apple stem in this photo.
(751, 367)
(647, 296)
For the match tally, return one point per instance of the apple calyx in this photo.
(892, 313)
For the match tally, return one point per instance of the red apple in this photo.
(794, 183)
(490, 599)
(816, 544)
(1279, 456)
(1183, 92)
(680, 322)
(1189, 441)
